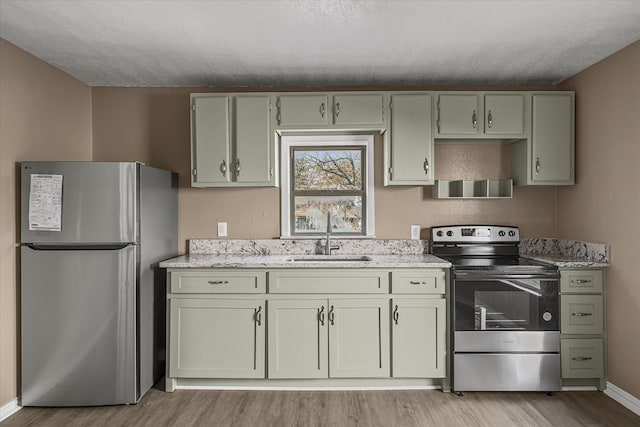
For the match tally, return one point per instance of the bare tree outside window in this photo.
(328, 179)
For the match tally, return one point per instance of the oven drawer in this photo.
(418, 282)
(581, 314)
(219, 282)
(582, 358)
(506, 372)
(581, 281)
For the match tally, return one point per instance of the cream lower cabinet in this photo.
(213, 338)
(419, 339)
(335, 338)
(583, 327)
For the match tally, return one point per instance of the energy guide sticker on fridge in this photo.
(45, 203)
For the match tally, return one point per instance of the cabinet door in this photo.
(253, 148)
(216, 338)
(552, 139)
(418, 338)
(410, 146)
(358, 109)
(298, 338)
(210, 140)
(303, 110)
(458, 115)
(504, 114)
(358, 338)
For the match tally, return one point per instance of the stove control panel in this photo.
(475, 233)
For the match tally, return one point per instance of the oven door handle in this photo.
(522, 287)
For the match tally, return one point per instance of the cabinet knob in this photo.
(332, 316)
(489, 119)
(537, 165)
(321, 315)
(237, 167)
(396, 315)
(425, 165)
(322, 111)
(259, 315)
(474, 119)
(338, 109)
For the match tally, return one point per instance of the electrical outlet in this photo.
(415, 232)
(222, 229)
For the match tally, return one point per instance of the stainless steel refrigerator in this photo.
(92, 296)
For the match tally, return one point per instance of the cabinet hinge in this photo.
(194, 172)
(278, 113)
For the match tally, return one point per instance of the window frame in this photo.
(363, 142)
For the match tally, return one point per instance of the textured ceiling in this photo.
(320, 42)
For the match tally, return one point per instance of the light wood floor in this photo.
(342, 408)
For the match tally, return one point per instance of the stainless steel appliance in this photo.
(92, 296)
(504, 311)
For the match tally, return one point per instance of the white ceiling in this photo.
(320, 42)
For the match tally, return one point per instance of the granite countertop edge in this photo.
(567, 262)
(284, 261)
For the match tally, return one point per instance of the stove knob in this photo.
(501, 233)
(449, 233)
(512, 233)
(439, 234)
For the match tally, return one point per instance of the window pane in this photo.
(330, 169)
(311, 214)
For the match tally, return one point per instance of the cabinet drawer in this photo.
(328, 281)
(222, 282)
(418, 282)
(581, 281)
(582, 358)
(581, 314)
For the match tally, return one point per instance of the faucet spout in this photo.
(327, 244)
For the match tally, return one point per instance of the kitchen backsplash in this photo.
(307, 247)
(596, 252)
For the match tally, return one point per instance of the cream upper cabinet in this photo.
(481, 115)
(504, 114)
(232, 143)
(458, 115)
(358, 109)
(303, 110)
(409, 156)
(343, 110)
(548, 156)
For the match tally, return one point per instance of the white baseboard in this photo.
(9, 409)
(622, 397)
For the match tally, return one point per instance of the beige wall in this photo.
(604, 205)
(45, 114)
(152, 125)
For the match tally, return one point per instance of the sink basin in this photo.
(331, 258)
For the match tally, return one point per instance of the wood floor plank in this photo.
(404, 408)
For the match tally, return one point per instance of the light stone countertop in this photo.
(284, 261)
(563, 261)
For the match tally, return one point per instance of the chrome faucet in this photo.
(327, 245)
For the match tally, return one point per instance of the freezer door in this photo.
(99, 202)
(78, 327)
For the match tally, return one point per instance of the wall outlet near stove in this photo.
(222, 229)
(415, 232)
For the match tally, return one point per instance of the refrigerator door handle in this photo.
(71, 247)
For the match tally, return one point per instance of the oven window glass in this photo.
(506, 304)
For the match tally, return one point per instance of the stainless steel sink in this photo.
(331, 258)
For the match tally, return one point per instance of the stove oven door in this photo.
(505, 303)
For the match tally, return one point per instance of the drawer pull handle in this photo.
(581, 314)
(218, 282)
(580, 281)
(321, 315)
(259, 315)
(413, 282)
(396, 315)
(332, 316)
(581, 358)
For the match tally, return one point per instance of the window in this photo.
(327, 174)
